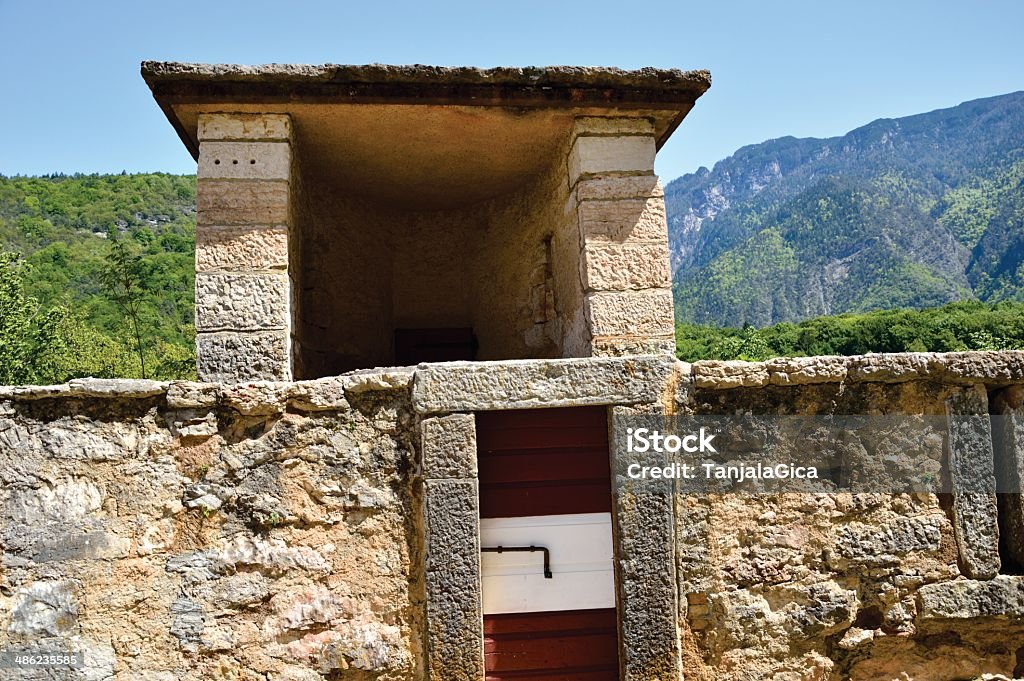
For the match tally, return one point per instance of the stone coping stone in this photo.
(647, 78)
(513, 384)
(993, 368)
(254, 397)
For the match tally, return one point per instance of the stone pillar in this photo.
(624, 253)
(451, 546)
(972, 474)
(645, 560)
(243, 316)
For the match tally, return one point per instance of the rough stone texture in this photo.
(225, 202)
(452, 575)
(602, 155)
(240, 126)
(625, 347)
(1001, 597)
(245, 160)
(631, 313)
(645, 572)
(449, 447)
(274, 546)
(275, 529)
(624, 220)
(532, 76)
(530, 384)
(621, 267)
(241, 302)
(241, 248)
(972, 472)
(232, 357)
(994, 369)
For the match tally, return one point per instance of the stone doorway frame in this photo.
(446, 396)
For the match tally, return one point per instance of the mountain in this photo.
(907, 212)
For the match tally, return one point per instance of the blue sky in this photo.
(71, 98)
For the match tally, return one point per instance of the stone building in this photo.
(353, 217)
(500, 236)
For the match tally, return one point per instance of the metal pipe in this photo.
(523, 549)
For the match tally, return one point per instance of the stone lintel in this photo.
(530, 384)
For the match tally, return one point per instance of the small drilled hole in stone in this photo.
(252, 161)
(235, 162)
(216, 162)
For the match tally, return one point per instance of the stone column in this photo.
(972, 474)
(243, 316)
(451, 528)
(624, 251)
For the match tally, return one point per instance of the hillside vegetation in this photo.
(911, 212)
(69, 245)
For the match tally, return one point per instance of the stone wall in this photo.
(299, 531)
(191, 531)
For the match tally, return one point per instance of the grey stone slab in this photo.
(526, 384)
(452, 581)
(972, 474)
(646, 577)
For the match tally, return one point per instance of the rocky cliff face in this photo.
(925, 204)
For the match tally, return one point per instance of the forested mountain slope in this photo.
(908, 212)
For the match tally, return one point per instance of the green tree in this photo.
(123, 278)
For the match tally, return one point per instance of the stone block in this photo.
(645, 566)
(241, 302)
(621, 267)
(624, 220)
(630, 313)
(616, 126)
(245, 160)
(241, 247)
(619, 187)
(452, 580)
(234, 357)
(625, 347)
(601, 155)
(225, 202)
(968, 599)
(972, 475)
(449, 446)
(240, 126)
(528, 384)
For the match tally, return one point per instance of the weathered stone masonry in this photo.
(327, 529)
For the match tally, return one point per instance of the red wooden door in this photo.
(547, 462)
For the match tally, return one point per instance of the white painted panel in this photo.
(581, 563)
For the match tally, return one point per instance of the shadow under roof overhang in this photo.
(426, 134)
